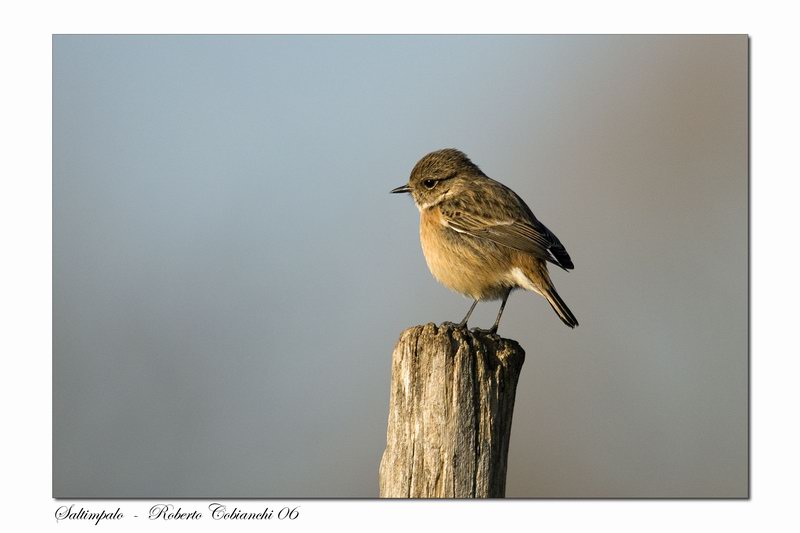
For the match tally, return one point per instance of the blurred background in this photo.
(231, 272)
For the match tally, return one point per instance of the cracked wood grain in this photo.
(450, 410)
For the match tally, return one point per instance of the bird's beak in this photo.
(402, 188)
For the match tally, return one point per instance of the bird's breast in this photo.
(471, 266)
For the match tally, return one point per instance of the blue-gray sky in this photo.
(231, 274)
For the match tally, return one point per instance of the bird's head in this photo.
(438, 175)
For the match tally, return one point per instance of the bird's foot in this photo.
(460, 325)
(492, 332)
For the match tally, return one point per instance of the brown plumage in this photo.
(479, 238)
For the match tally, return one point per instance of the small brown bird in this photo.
(479, 238)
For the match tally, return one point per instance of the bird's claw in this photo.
(492, 332)
(460, 325)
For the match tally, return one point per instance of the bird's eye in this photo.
(429, 184)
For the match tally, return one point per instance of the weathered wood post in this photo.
(450, 409)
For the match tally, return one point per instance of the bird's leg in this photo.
(500, 312)
(493, 329)
(463, 323)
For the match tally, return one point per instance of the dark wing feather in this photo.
(502, 217)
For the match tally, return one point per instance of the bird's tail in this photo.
(536, 278)
(560, 307)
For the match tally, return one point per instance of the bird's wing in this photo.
(500, 223)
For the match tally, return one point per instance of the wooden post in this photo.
(450, 409)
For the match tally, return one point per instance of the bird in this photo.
(479, 238)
